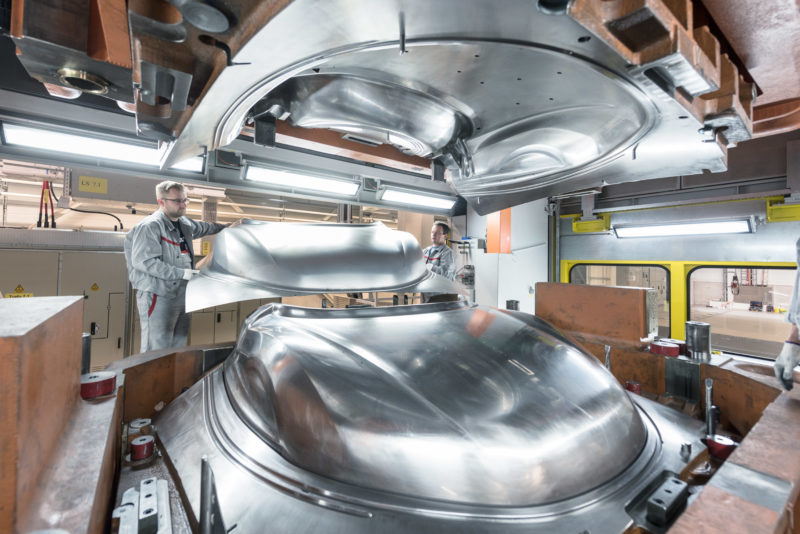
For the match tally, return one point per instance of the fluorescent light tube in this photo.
(417, 199)
(741, 226)
(301, 181)
(73, 144)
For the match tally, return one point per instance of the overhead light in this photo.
(740, 226)
(294, 180)
(399, 196)
(92, 147)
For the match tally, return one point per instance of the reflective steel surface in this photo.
(437, 418)
(518, 102)
(553, 126)
(254, 259)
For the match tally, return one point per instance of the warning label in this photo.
(92, 184)
(95, 287)
(19, 293)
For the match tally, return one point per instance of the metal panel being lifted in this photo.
(254, 259)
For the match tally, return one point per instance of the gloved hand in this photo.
(188, 274)
(786, 362)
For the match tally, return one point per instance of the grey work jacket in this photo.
(153, 255)
(794, 308)
(442, 261)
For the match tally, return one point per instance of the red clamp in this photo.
(633, 386)
(664, 348)
(97, 384)
(142, 447)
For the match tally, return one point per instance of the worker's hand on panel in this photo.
(188, 274)
(786, 362)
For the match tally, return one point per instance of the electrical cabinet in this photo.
(220, 324)
(102, 279)
(99, 277)
(29, 273)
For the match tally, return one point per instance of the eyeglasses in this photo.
(177, 200)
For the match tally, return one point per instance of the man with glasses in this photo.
(160, 260)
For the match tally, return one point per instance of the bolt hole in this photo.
(207, 40)
(477, 55)
(551, 98)
(559, 72)
(148, 511)
(583, 39)
(517, 103)
(683, 117)
(481, 83)
(658, 501)
(553, 7)
(458, 71)
(519, 79)
(668, 491)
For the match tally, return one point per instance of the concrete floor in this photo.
(748, 332)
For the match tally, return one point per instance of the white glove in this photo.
(786, 362)
(188, 274)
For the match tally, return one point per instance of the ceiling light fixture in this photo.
(739, 226)
(294, 180)
(399, 196)
(91, 147)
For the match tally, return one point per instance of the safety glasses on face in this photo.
(177, 200)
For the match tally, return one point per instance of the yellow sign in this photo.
(19, 289)
(206, 248)
(18, 295)
(90, 184)
(95, 287)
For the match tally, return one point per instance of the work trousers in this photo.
(163, 320)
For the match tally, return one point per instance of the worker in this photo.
(160, 260)
(440, 260)
(790, 354)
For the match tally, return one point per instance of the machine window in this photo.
(745, 306)
(653, 276)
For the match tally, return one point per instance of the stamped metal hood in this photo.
(255, 259)
(434, 418)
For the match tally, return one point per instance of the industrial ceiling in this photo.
(497, 105)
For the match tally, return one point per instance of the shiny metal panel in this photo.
(430, 418)
(254, 259)
(380, 390)
(518, 106)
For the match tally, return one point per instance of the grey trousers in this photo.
(163, 320)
